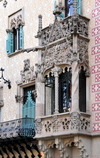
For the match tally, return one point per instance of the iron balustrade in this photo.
(23, 127)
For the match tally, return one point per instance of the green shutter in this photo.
(79, 6)
(9, 43)
(29, 107)
(21, 37)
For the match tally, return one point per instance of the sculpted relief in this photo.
(57, 54)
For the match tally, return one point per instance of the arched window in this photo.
(50, 94)
(65, 91)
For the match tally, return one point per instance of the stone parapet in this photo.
(63, 124)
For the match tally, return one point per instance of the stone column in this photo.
(75, 87)
(56, 71)
(75, 77)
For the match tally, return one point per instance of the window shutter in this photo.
(21, 37)
(29, 107)
(79, 6)
(9, 43)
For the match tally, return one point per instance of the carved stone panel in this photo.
(58, 54)
(28, 74)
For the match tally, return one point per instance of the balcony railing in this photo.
(63, 124)
(20, 127)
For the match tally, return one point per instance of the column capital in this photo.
(56, 71)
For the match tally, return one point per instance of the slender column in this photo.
(17, 39)
(75, 77)
(56, 71)
(75, 86)
(56, 93)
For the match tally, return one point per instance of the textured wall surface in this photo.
(14, 64)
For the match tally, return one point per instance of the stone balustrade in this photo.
(62, 124)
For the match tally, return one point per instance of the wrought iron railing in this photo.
(23, 127)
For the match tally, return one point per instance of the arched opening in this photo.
(65, 91)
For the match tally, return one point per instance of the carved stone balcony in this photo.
(65, 27)
(23, 127)
(63, 124)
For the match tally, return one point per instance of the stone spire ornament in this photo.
(75, 6)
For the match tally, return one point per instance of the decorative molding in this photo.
(63, 146)
(82, 148)
(19, 99)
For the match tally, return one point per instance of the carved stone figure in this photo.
(75, 120)
(38, 126)
(28, 74)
